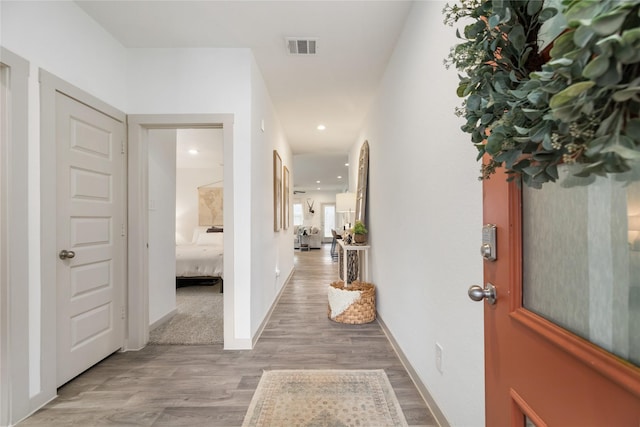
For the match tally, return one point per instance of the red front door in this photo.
(537, 372)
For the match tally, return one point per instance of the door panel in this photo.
(90, 212)
(578, 262)
(533, 366)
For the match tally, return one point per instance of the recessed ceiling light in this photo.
(318, 188)
(193, 151)
(346, 164)
(321, 127)
(317, 182)
(339, 176)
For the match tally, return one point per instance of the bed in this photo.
(201, 261)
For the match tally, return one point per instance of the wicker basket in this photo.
(362, 310)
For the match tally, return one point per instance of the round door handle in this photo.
(65, 254)
(478, 293)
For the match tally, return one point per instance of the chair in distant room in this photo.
(334, 242)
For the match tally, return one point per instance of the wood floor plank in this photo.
(165, 385)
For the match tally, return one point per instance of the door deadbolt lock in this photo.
(488, 248)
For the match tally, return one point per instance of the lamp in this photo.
(345, 203)
(634, 227)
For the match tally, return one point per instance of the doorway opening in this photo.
(140, 127)
(186, 235)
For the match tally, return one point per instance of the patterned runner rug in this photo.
(324, 398)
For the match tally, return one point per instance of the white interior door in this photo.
(91, 228)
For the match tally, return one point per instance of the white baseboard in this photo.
(256, 337)
(238, 344)
(39, 405)
(422, 389)
(164, 319)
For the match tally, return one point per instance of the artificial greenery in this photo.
(530, 111)
(359, 228)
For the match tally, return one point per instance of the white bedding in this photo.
(203, 257)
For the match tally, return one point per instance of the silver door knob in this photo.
(477, 293)
(65, 254)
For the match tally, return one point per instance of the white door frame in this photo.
(139, 125)
(49, 85)
(14, 249)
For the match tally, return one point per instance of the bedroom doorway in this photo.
(144, 201)
(186, 229)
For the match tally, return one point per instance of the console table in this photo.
(363, 273)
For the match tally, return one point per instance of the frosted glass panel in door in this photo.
(581, 258)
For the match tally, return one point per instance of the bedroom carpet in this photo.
(324, 398)
(198, 318)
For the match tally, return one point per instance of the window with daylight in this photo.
(329, 220)
(298, 216)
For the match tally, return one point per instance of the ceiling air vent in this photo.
(301, 46)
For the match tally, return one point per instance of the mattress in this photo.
(204, 257)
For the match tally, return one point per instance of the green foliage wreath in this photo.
(531, 110)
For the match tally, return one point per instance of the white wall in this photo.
(424, 217)
(271, 252)
(60, 37)
(162, 220)
(208, 81)
(186, 215)
(172, 81)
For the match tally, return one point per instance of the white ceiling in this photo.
(208, 143)
(329, 169)
(334, 87)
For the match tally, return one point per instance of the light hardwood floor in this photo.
(207, 386)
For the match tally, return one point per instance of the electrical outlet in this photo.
(439, 357)
(277, 272)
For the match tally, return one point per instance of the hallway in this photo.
(207, 386)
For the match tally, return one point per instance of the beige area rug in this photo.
(324, 398)
(198, 318)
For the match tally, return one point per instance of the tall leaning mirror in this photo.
(361, 191)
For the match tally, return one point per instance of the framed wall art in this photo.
(277, 191)
(210, 206)
(285, 198)
(363, 176)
